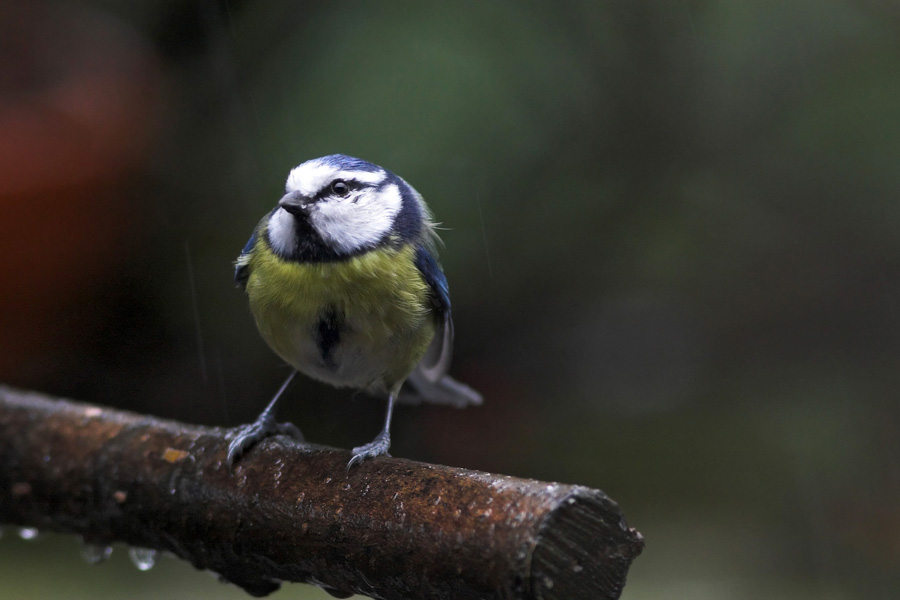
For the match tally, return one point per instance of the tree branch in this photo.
(389, 528)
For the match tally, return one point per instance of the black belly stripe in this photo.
(328, 335)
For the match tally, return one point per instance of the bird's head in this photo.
(337, 206)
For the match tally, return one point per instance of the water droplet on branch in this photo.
(29, 533)
(142, 558)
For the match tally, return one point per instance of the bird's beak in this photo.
(295, 204)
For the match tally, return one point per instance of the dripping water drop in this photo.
(142, 558)
(29, 533)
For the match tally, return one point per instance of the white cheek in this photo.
(348, 227)
(281, 232)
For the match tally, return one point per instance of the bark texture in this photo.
(389, 528)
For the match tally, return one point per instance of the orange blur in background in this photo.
(78, 97)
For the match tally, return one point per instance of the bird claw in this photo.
(377, 447)
(248, 435)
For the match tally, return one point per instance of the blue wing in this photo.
(436, 361)
(429, 380)
(434, 277)
(242, 264)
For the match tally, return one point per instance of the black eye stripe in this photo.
(330, 191)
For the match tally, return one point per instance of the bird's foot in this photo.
(377, 447)
(248, 435)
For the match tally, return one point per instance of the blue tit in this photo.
(345, 286)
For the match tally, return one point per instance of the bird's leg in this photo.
(263, 427)
(379, 446)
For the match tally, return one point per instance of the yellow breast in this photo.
(381, 303)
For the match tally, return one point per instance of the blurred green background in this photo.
(672, 237)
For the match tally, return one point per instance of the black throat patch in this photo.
(308, 244)
(309, 247)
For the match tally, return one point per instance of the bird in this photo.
(344, 284)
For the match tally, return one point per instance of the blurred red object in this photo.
(80, 104)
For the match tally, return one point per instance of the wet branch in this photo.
(389, 528)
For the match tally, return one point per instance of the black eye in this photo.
(340, 187)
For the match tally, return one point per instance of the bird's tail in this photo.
(444, 390)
